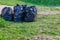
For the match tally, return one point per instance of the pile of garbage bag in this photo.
(20, 13)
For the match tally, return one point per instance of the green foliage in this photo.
(32, 2)
(44, 2)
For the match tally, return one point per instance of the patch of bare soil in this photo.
(46, 37)
(46, 11)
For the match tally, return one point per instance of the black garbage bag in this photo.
(7, 13)
(24, 11)
(31, 14)
(24, 8)
(18, 13)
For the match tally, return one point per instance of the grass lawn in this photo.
(45, 24)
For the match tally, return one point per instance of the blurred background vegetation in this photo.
(32, 2)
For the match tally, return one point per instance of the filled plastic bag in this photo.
(31, 14)
(7, 13)
(18, 13)
(24, 11)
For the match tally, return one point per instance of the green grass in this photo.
(32, 2)
(45, 24)
(2, 23)
(44, 2)
(49, 24)
(12, 2)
